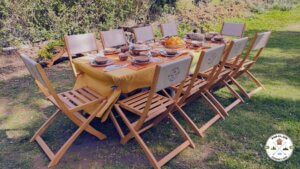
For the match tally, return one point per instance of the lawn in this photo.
(236, 142)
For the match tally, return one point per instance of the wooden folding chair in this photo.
(143, 34)
(76, 44)
(242, 65)
(70, 103)
(152, 108)
(233, 29)
(113, 38)
(169, 29)
(238, 46)
(196, 86)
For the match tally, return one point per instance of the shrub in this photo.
(48, 51)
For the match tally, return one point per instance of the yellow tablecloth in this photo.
(111, 84)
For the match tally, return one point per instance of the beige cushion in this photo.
(238, 47)
(31, 66)
(261, 40)
(169, 29)
(173, 72)
(143, 34)
(113, 38)
(81, 43)
(211, 58)
(233, 29)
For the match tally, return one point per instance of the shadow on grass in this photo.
(237, 142)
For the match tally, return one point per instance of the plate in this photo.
(109, 62)
(139, 63)
(164, 53)
(111, 51)
(217, 41)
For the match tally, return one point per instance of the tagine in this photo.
(174, 43)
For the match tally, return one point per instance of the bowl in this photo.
(135, 52)
(101, 60)
(218, 38)
(195, 36)
(196, 43)
(110, 50)
(155, 53)
(171, 52)
(141, 59)
(209, 36)
(123, 56)
(124, 49)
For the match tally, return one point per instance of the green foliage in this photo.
(284, 6)
(184, 28)
(38, 20)
(48, 51)
(266, 21)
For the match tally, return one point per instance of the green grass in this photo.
(237, 142)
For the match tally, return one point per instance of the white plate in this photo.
(109, 62)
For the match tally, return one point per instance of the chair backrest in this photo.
(171, 73)
(113, 38)
(233, 29)
(42, 80)
(169, 29)
(81, 43)
(33, 69)
(261, 40)
(143, 34)
(238, 47)
(210, 58)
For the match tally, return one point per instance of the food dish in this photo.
(111, 51)
(174, 43)
(141, 60)
(123, 56)
(100, 60)
(94, 64)
(169, 54)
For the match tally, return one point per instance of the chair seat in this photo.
(196, 86)
(207, 73)
(246, 63)
(77, 98)
(137, 103)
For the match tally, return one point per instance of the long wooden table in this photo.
(124, 80)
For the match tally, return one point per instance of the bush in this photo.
(48, 51)
(284, 5)
(39, 20)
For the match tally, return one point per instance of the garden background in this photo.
(237, 142)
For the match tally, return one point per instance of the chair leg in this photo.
(215, 109)
(234, 93)
(147, 151)
(181, 130)
(216, 103)
(258, 83)
(43, 128)
(89, 128)
(136, 134)
(116, 124)
(239, 86)
(189, 121)
(69, 142)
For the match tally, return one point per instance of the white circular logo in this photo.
(279, 147)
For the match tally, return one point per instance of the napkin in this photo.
(114, 67)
